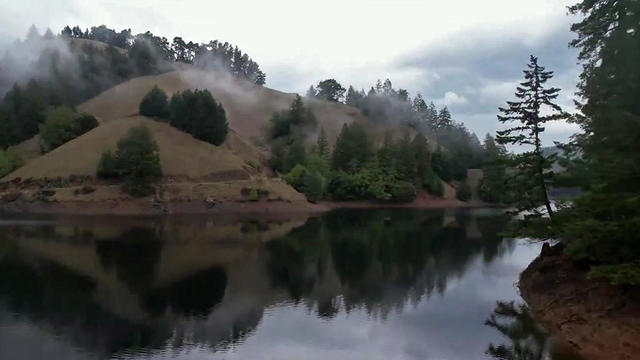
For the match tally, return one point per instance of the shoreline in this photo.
(599, 321)
(146, 206)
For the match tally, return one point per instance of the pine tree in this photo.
(312, 92)
(422, 158)
(352, 149)
(387, 88)
(154, 104)
(444, 118)
(33, 33)
(604, 222)
(322, 146)
(352, 98)
(493, 186)
(533, 165)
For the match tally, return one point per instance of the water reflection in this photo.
(527, 339)
(145, 287)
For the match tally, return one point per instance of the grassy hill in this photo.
(180, 154)
(247, 105)
(194, 170)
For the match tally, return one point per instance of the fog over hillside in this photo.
(452, 53)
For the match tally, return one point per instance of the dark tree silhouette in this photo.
(526, 113)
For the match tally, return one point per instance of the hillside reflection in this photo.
(114, 288)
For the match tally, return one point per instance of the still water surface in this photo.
(351, 284)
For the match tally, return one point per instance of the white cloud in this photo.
(451, 98)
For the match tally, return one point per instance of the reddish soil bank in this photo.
(599, 320)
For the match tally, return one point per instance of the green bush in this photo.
(9, 161)
(463, 192)
(295, 177)
(313, 186)
(84, 123)
(136, 162)
(107, 167)
(433, 184)
(254, 164)
(199, 114)
(253, 195)
(155, 104)
(619, 274)
(343, 187)
(402, 192)
(63, 124)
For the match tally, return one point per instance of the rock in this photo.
(86, 189)
(11, 197)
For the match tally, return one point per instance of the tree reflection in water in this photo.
(527, 339)
(140, 289)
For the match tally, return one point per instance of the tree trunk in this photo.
(543, 185)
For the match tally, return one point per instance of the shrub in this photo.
(463, 192)
(9, 161)
(58, 127)
(136, 162)
(253, 195)
(343, 187)
(62, 125)
(295, 177)
(84, 123)
(441, 165)
(433, 184)
(199, 114)
(154, 104)
(254, 164)
(313, 186)
(402, 192)
(107, 166)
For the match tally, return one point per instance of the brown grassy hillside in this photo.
(248, 106)
(180, 153)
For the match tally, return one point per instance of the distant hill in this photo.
(248, 106)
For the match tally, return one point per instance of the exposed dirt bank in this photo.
(600, 321)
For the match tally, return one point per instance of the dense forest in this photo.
(430, 147)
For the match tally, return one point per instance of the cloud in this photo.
(451, 98)
(474, 73)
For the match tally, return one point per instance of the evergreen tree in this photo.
(494, 185)
(48, 35)
(353, 97)
(200, 115)
(155, 104)
(322, 145)
(136, 161)
(33, 33)
(66, 32)
(444, 119)
(330, 90)
(603, 225)
(312, 92)
(387, 88)
(352, 149)
(533, 165)
(422, 160)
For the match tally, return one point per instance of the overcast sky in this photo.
(467, 54)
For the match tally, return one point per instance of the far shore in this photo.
(147, 206)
